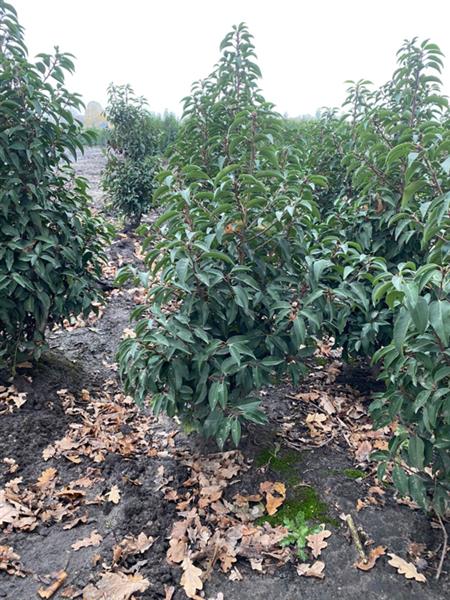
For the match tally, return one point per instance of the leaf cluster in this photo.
(50, 243)
(224, 259)
(136, 141)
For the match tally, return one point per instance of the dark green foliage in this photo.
(257, 256)
(385, 287)
(132, 151)
(50, 244)
(136, 140)
(223, 274)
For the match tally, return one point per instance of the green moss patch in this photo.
(354, 473)
(304, 499)
(279, 461)
(301, 498)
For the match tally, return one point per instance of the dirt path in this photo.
(87, 474)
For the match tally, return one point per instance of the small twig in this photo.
(214, 558)
(344, 435)
(444, 548)
(302, 447)
(355, 537)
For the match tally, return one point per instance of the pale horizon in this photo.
(306, 52)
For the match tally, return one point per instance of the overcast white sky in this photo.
(306, 50)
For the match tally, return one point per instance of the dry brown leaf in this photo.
(275, 493)
(7, 554)
(84, 482)
(227, 558)
(240, 500)
(8, 512)
(11, 398)
(210, 494)
(113, 495)
(363, 451)
(169, 591)
(327, 404)
(405, 568)
(316, 541)
(317, 424)
(190, 580)
(170, 495)
(12, 465)
(48, 592)
(314, 570)
(360, 504)
(46, 478)
(374, 555)
(70, 592)
(132, 545)
(76, 521)
(257, 564)
(235, 575)
(95, 559)
(115, 586)
(177, 550)
(415, 549)
(94, 539)
(48, 452)
(307, 396)
(10, 561)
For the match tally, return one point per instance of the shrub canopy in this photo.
(50, 243)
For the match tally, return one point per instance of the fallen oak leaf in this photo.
(12, 465)
(273, 502)
(374, 555)
(177, 550)
(19, 399)
(235, 575)
(94, 539)
(363, 451)
(8, 512)
(257, 564)
(48, 452)
(316, 541)
(131, 545)
(113, 495)
(416, 549)
(314, 570)
(10, 561)
(115, 586)
(95, 559)
(405, 568)
(71, 592)
(46, 478)
(190, 580)
(49, 591)
(7, 554)
(169, 591)
(76, 521)
(140, 544)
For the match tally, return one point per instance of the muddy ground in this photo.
(82, 357)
